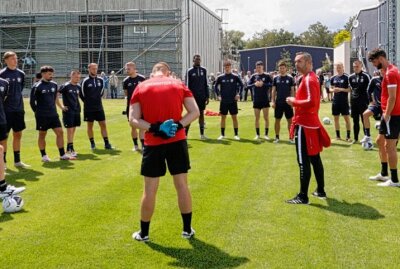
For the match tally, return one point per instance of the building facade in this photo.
(69, 34)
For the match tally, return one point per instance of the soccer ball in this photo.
(377, 125)
(326, 121)
(13, 204)
(368, 145)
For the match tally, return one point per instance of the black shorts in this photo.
(71, 120)
(46, 123)
(201, 103)
(156, 158)
(340, 109)
(392, 129)
(357, 108)
(232, 108)
(283, 108)
(261, 105)
(377, 110)
(15, 121)
(92, 116)
(3, 132)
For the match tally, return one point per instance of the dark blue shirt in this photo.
(92, 93)
(70, 96)
(196, 81)
(283, 86)
(16, 80)
(340, 82)
(374, 89)
(129, 85)
(260, 94)
(228, 86)
(359, 87)
(43, 98)
(4, 87)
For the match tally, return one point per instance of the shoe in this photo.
(236, 137)
(74, 154)
(138, 237)
(365, 139)
(320, 195)
(203, 137)
(389, 183)
(266, 138)
(337, 139)
(135, 148)
(276, 140)
(187, 235)
(221, 137)
(257, 137)
(292, 141)
(11, 190)
(379, 177)
(93, 146)
(21, 165)
(108, 146)
(45, 159)
(298, 200)
(65, 157)
(349, 140)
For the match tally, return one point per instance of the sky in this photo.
(253, 16)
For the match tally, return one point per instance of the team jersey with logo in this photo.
(161, 98)
(391, 79)
(70, 96)
(92, 90)
(228, 86)
(16, 80)
(196, 81)
(260, 94)
(340, 82)
(374, 89)
(283, 86)
(359, 86)
(43, 98)
(4, 86)
(129, 85)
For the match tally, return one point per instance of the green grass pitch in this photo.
(81, 214)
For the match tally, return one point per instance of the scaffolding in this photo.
(71, 40)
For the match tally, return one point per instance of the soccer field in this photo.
(81, 214)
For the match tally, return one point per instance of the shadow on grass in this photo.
(356, 210)
(251, 141)
(84, 157)
(214, 141)
(8, 216)
(24, 174)
(202, 255)
(107, 152)
(64, 165)
(339, 144)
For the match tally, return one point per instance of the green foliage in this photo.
(317, 34)
(269, 38)
(340, 37)
(232, 42)
(349, 23)
(81, 214)
(287, 57)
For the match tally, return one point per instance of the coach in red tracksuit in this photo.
(309, 134)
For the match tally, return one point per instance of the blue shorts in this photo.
(377, 110)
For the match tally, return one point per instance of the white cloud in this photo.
(292, 15)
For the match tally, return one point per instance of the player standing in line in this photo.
(310, 135)
(260, 84)
(129, 85)
(165, 142)
(390, 124)
(340, 104)
(91, 95)
(196, 81)
(228, 87)
(283, 87)
(359, 82)
(43, 102)
(71, 109)
(14, 105)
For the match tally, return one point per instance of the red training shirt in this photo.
(161, 98)
(391, 79)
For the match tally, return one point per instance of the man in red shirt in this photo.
(390, 124)
(310, 135)
(156, 106)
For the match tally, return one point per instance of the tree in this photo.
(232, 42)
(349, 23)
(269, 38)
(317, 34)
(287, 57)
(340, 37)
